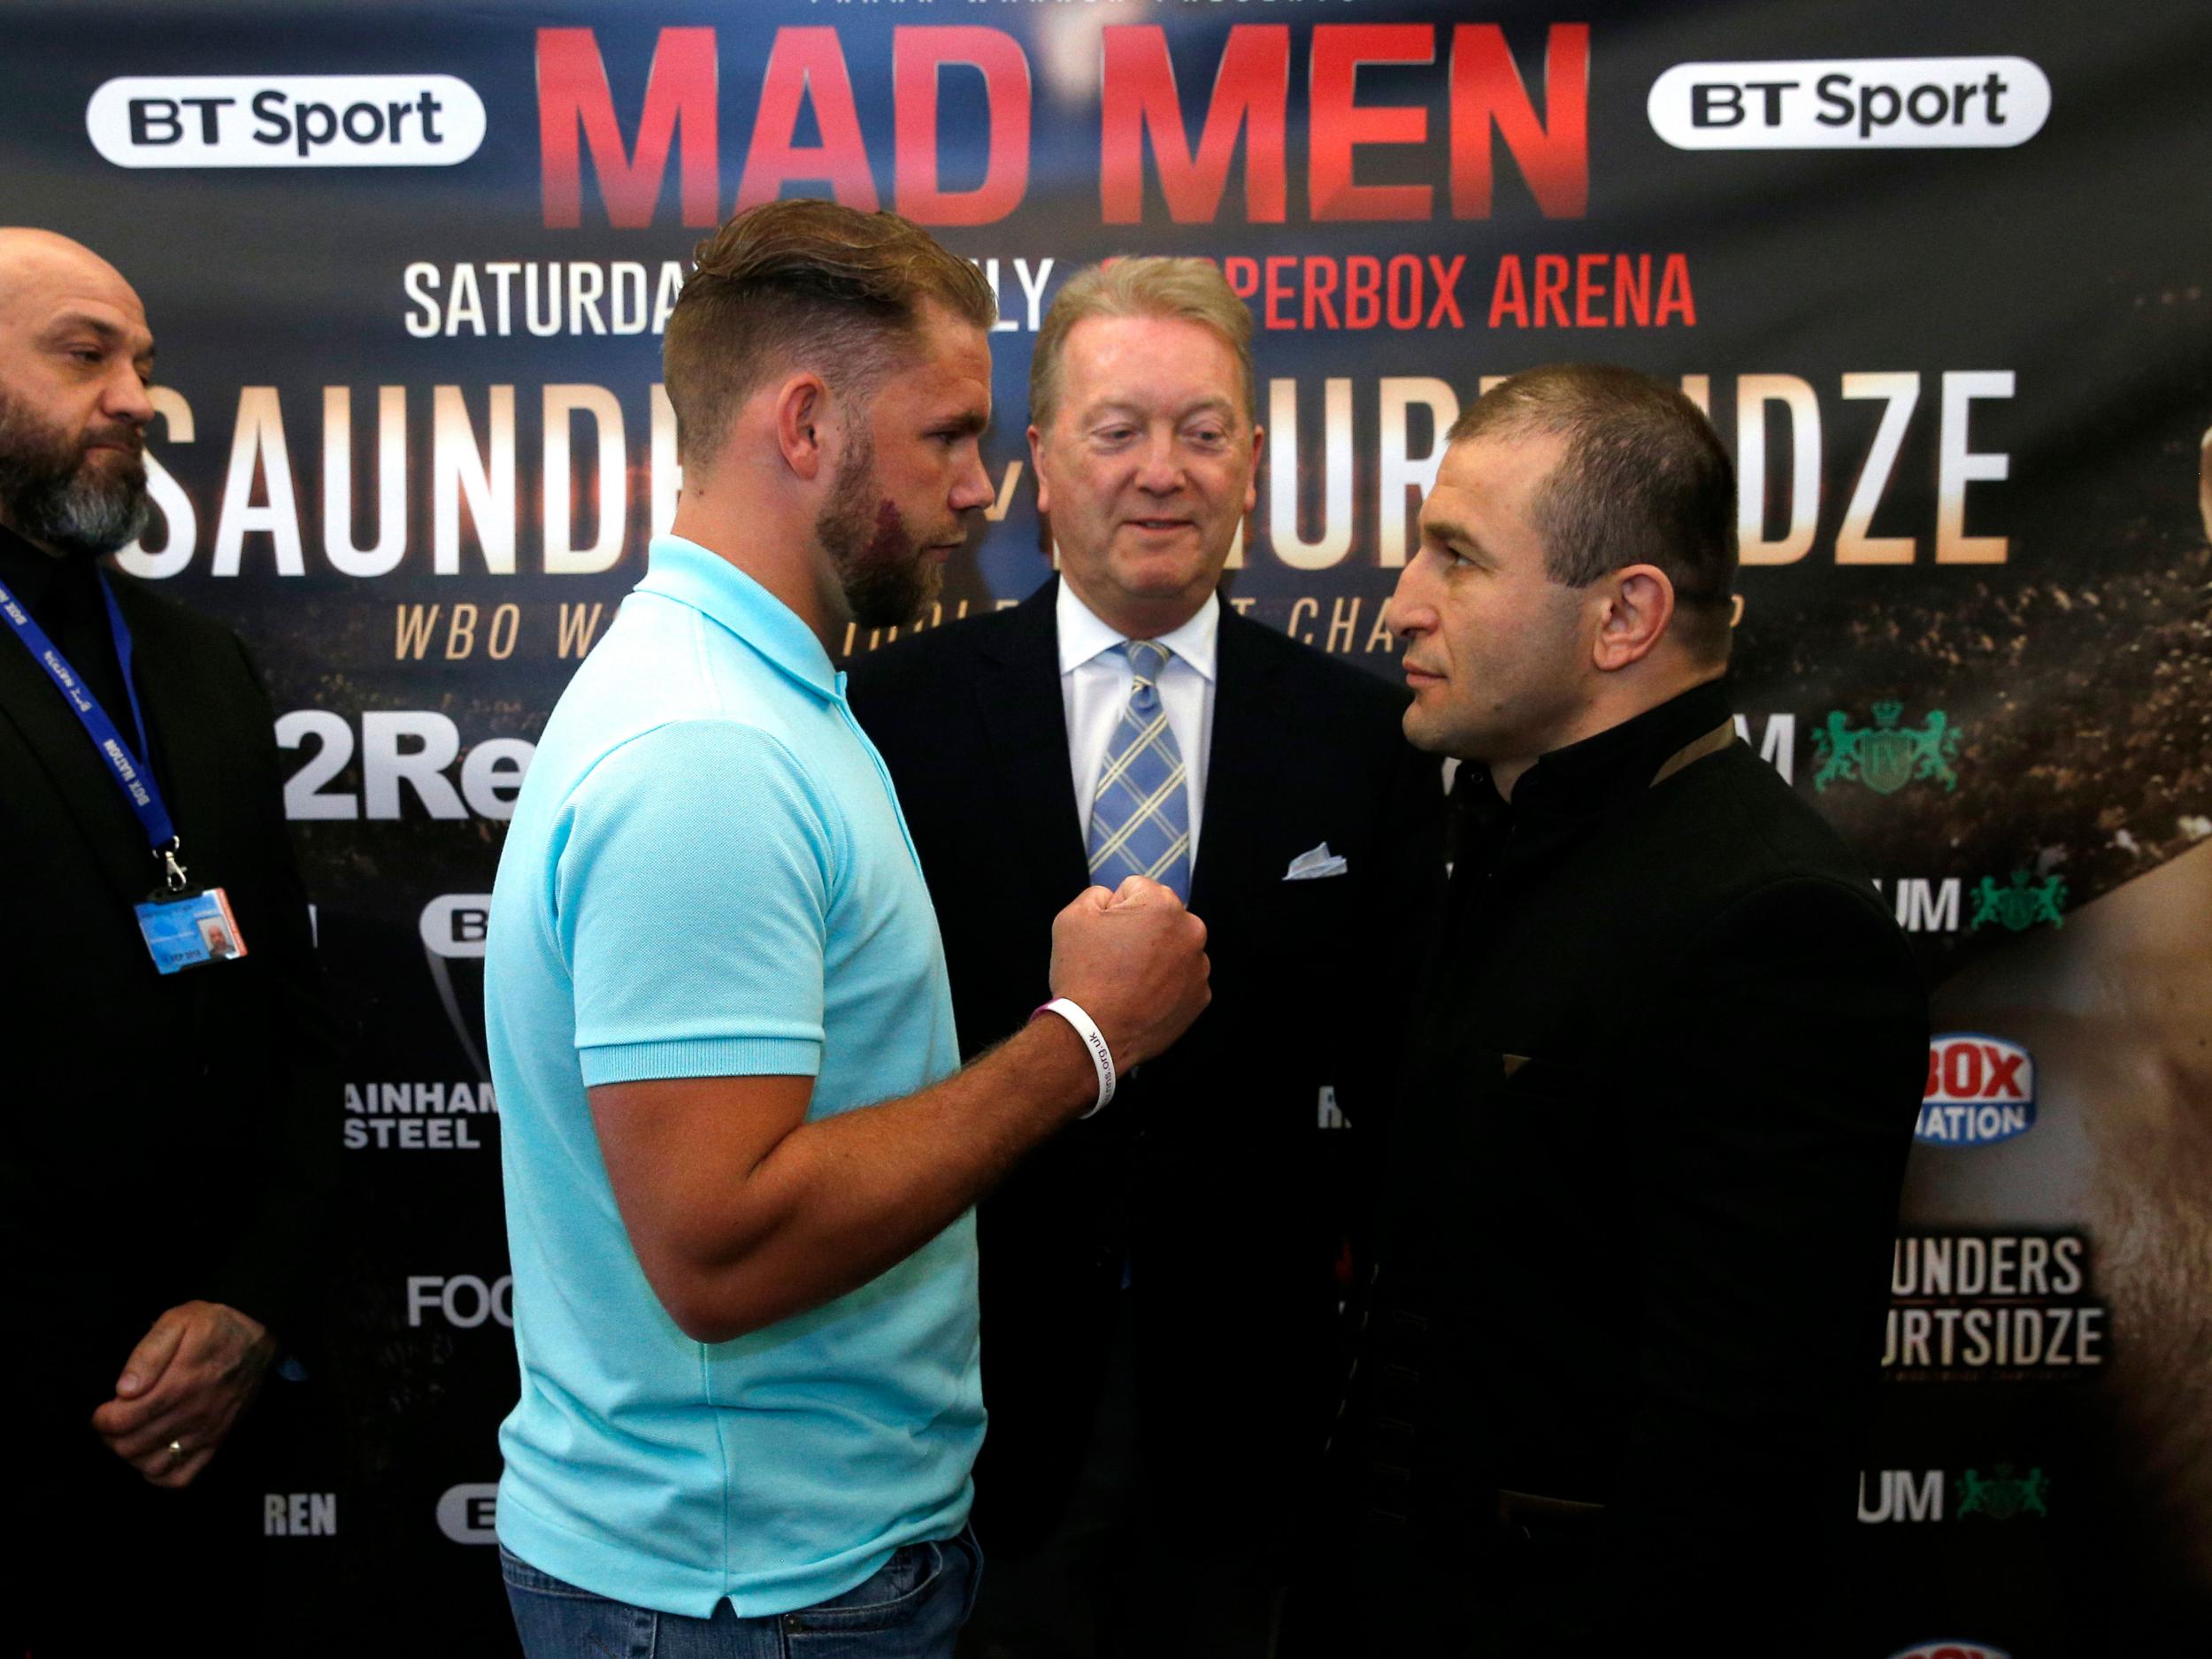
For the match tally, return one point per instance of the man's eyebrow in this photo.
(1126, 406)
(968, 424)
(107, 331)
(1445, 530)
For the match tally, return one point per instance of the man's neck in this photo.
(760, 538)
(9, 524)
(1135, 619)
(1616, 705)
(1505, 774)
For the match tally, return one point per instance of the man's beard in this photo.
(56, 492)
(886, 579)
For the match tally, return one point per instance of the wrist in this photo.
(1054, 1066)
(1071, 1013)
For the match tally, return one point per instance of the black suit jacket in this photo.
(166, 1138)
(1211, 1172)
(1660, 1090)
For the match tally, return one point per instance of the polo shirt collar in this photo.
(1083, 636)
(681, 569)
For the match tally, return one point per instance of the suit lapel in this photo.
(1020, 706)
(1239, 777)
(62, 750)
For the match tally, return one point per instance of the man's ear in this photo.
(1252, 483)
(802, 410)
(1637, 604)
(1037, 466)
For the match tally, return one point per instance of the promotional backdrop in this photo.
(1937, 273)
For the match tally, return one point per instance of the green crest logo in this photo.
(2003, 1494)
(2022, 905)
(1885, 756)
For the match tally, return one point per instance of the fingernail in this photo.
(129, 1383)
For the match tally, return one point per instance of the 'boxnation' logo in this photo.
(1980, 1089)
(285, 121)
(470, 1513)
(1851, 103)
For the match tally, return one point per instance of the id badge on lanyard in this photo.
(183, 926)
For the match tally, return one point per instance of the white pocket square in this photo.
(1313, 865)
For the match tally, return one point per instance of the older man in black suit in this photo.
(1162, 1336)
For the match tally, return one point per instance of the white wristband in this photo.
(1093, 1040)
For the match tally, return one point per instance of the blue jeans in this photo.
(911, 1608)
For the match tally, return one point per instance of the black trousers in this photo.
(1379, 1586)
(1121, 1576)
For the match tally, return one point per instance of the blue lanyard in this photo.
(132, 775)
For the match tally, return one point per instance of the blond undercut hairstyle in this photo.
(799, 285)
(1189, 290)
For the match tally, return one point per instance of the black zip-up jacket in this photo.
(1639, 1210)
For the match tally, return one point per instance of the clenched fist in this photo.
(1135, 961)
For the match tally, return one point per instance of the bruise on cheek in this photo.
(890, 541)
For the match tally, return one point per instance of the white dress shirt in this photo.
(1095, 685)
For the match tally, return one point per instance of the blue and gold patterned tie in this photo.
(1141, 810)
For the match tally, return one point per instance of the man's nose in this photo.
(1161, 470)
(126, 397)
(972, 489)
(1407, 611)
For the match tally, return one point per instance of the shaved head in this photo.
(26, 243)
(76, 356)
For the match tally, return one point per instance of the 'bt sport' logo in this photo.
(455, 927)
(1851, 103)
(1981, 1090)
(285, 121)
(469, 1513)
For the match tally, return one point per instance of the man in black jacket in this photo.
(1660, 1085)
(168, 1134)
(1161, 1340)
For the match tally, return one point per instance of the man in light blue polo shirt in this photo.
(739, 1153)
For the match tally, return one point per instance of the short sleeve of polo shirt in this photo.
(691, 899)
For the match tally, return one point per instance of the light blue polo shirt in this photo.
(707, 875)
